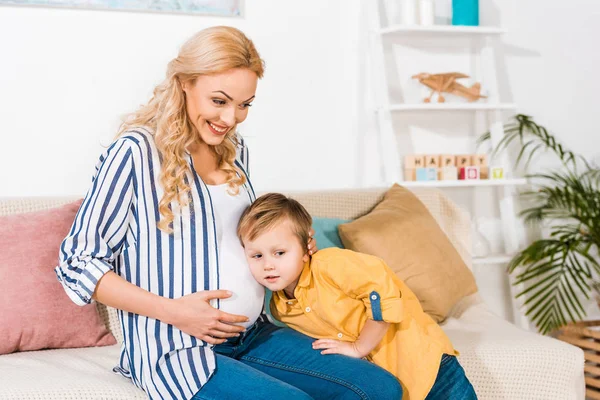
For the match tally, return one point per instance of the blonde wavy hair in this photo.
(211, 51)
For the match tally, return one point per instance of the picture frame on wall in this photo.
(220, 8)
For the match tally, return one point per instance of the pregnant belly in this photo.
(247, 299)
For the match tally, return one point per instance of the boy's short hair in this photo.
(269, 210)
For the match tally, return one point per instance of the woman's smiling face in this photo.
(217, 103)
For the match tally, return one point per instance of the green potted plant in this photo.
(558, 270)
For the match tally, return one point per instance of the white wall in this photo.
(552, 64)
(67, 75)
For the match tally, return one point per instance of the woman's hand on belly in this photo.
(193, 315)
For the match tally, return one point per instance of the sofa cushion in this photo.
(80, 374)
(35, 312)
(403, 233)
(503, 361)
(326, 232)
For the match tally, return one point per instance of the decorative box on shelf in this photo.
(586, 336)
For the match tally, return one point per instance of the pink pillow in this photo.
(35, 311)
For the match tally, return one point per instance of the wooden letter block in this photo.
(449, 173)
(432, 174)
(410, 174)
(409, 161)
(448, 160)
(432, 161)
(469, 173)
(497, 173)
(479, 160)
(421, 174)
(419, 161)
(463, 161)
(484, 172)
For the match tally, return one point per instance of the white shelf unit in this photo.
(483, 38)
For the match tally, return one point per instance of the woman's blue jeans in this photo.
(270, 362)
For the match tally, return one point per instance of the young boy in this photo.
(352, 303)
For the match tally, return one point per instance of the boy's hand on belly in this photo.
(331, 346)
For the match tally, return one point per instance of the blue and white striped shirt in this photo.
(116, 229)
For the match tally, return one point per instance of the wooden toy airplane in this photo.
(447, 83)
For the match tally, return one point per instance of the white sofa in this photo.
(501, 360)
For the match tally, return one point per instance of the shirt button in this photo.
(307, 309)
(374, 297)
(340, 335)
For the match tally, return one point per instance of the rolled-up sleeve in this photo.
(370, 280)
(99, 230)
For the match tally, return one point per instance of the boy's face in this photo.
(276, 257)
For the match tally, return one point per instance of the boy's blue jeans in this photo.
(268, 361)
(451, 382)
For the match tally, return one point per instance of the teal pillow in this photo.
(326, 232)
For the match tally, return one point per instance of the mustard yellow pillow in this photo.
(401, 231)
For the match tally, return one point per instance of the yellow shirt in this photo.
(336, 293)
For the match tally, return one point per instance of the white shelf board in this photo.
(465, 183)
(442, 29)
(493, 259)
(451, 106)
